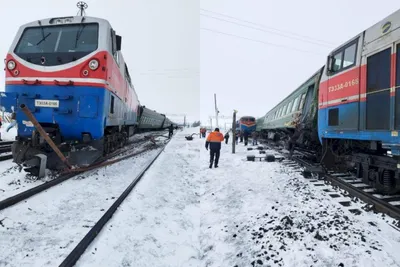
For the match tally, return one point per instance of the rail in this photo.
(78, 251)
(10, 201)
(365, 193)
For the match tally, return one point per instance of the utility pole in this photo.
(234, 131)
(184, 121)
(216, 110)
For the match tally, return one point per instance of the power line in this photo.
(267, 27)
(260, 29)
(262, 42)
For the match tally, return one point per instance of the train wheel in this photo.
(387, 183)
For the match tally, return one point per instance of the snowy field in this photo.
(42, 230)
(14, 181)
(184, 214)
(241, 214)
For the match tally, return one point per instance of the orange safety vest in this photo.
(214, 137)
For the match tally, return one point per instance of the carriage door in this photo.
(378, 91)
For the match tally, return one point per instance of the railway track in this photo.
(119, 155)
(78, 251)
(353, 186)
(5, 150)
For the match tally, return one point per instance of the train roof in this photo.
(294, 91)
(376, 30)
(64, 20)
(247, 117)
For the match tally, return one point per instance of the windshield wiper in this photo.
(43, 37)
(79, 32)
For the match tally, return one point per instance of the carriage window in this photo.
(290, 106)
(303, 96)
(284, 109)
(349, 56)
(279, 113)
(296, 103)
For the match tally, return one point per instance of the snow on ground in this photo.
(10, 135)
(158, 223)
(43, 230)
(242, 214)
(14, 181)
(184, 214)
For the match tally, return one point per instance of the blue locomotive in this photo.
(71, 75)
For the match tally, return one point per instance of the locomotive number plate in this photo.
(46, 103)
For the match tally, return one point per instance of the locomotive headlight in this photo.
(93, 64)
(11, 65)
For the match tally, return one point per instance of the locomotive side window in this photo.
(337, 62)
(343, 59)
(114, 46)
(349, 56)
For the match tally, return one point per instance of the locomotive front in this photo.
(57, 68)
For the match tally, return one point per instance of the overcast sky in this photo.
(252, 76)
(176, 67)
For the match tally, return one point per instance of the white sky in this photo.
(251, 76)
(176, 67)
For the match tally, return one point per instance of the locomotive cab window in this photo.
(56, 45)
(343, 59)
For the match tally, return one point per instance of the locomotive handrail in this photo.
(63, 83)
(33, 83)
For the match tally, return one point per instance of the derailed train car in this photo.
(297, 113)
(358, 107)
(70, 75)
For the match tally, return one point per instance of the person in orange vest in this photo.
(213, 141)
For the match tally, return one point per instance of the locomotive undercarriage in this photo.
(305, 140)
(368, 160)
(78, 153)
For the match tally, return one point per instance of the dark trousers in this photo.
(214, 153)
(226, 140)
